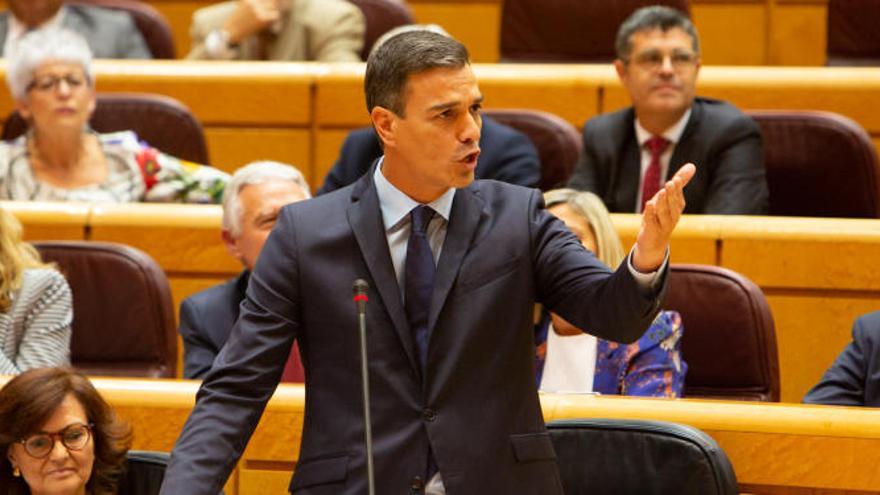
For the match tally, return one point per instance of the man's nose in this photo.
(471, 129)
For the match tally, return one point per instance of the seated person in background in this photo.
(110, 33)
(854, 378)
(36, 309)
(505, 153)
(53, 418)
(569, 360)
(630, 153)
(61, 159)
(251, 204)
(302, 30)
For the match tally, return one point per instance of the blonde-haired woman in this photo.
(35, 305)
(569, 360)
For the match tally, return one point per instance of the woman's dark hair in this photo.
(26, 403)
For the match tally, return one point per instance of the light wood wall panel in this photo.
(733, 32)
(818, 274)
(788, 449)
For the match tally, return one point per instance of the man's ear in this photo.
(231, 245)
(620, 67)
(385, 124)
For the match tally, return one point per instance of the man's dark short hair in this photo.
(648, 19)
(389, 66)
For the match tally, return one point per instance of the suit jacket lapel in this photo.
(683, 149)
(467, 209)
(365, 219)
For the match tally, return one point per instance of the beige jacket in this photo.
(314, 30)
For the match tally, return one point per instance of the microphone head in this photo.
(360, 287)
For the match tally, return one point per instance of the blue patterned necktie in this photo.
(419, 279)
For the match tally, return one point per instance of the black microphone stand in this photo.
(359, 289)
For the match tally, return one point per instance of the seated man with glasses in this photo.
(630, 153)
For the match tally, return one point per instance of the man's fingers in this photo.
(686, 173)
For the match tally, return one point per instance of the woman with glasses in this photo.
(61, 159)
(35, 305)
(569, 360)
(59, 436)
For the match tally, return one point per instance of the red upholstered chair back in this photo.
(381, 16)
(819, 164)
(566, 30)
(729, 338)
(152, 24)
(853, 32)
(159, 120)
(558, 142)
(123, 317)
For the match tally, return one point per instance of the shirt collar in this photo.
(672, 134)
(396, 205)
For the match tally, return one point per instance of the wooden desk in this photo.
(774, 448)
(818, 274)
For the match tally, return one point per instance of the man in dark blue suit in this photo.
(251, 203)
(505, 154)
(854, 378)
(455, 267)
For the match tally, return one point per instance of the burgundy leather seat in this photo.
(123, 317)
(558, 142)
(566, 30)
(382, 16)
(729, 338)
(853, 32)
(152, 24)
(819, 164)
(162, 121)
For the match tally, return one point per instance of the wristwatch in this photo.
(217, 45)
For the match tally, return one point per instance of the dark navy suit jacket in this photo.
(505, 154)
(476, 405)
(725, 144)
(207, 317)
(854, 378)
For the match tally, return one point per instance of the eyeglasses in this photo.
(49, 83)
(74, 437)
(653, 60)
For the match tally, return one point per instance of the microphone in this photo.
(359, 295)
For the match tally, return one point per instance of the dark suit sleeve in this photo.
(573, 283)
(739, 185)
(245, 373)
(585, 174)
(517, 160)
(360, 149)
(844, 382)
(198, 352)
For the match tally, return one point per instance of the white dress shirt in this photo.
(673, 135)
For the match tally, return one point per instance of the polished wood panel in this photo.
(50, 221)
(732, 32)
(774, 448)
(818, 274)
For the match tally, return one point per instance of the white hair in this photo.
(251, 174)
(41, 46)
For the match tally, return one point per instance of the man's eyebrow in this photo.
(443, 106)
(453, 104)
